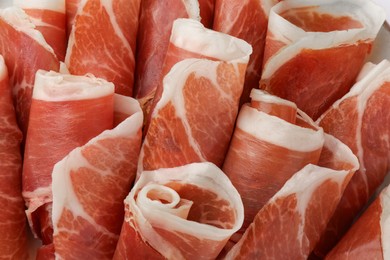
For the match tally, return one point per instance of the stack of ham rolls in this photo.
(197, 129)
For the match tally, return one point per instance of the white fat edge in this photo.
(19, 20)
(367, 67)
(279, 132)
(191, 35)
(39, 22)
(38, 197)
(266, 5)
(54, 86)
(370, 15)
(53, 5)
(303, 184)
(263, 96)
(385, 222)
(3, 69)
(193, 9)
(63, 68)
(126, 105)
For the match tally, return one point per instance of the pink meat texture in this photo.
(103, 41)
(306, 44)
(13, 235)
(25, 51)
(359, 120)
(187, 212)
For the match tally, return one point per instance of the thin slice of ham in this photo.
(49, 18)
(360, 121)
(194, 119)
(314, 52)
(89, 186)
(13, 235)
(267, 150)
(103, 41)
(66, 112)
(369, 237)
(206, 8)
(247, 20)
(25, 51)
(291, 223)
(187, 212)
(153, 39)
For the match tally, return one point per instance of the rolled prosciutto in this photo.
(360, 121)
(314, 51)
(187, 212)
(103, 41)
(13, 232)
(290, 224)
(25, 51)
(194, 119)
(369, 237)
(153, 39)
(49, 18)
(247, 20)
(86, 227)
(66, 112)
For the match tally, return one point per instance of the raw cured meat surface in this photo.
(89, 186)
(187, 212)
(306, 44)
(207, 12)
(13, 235)
(49, 18)
(25, 51)
(359, 120)
(103, 41)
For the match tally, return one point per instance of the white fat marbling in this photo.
(53, 5)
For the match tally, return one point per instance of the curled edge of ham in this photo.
(385, 222)
(53, 5)
(149, 214)
(369, 14)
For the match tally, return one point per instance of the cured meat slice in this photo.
(13, 235)
(359, 120)
(369, 237)
(265, 150)
(247, 20)
(25, 51)
(206, 8)
(290, 224)
(49, 18)
(194, 119)
(89, 186)
(153, 39)
(306, 44)
(71, 7)
(103, 41)
(63, 117)
(187, 212)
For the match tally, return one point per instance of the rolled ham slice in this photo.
(369, 237)
(155, 27)
(306, 43)
(359, 120)
(86, 227)
(66, 112)
(103, 40)
(194, 119)
(13, 235)
(187, 212)
(25, 51)
(247, 20)
(290, 224)
(207, 12)
(49, 18)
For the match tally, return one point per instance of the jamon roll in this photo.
(187, 212)
(89, 186)
(315, 50)
(360, 121)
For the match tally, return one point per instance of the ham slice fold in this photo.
(13, 235)
(49, 18)
(103, 41)
(187, 212)
(194, 119)
(290, 224)
(66, 112)
(359, 120)
(306, 43)
(25, 51)
(369, 237)
(86, 227)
